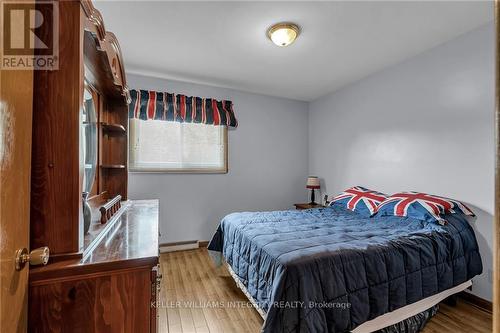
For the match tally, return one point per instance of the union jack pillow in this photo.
(421, 206)
(359, 199)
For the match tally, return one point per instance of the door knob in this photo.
(38, 256)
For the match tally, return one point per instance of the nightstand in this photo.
(307, 206)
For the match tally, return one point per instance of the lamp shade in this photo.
(312, 182)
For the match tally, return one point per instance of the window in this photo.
(166, 146)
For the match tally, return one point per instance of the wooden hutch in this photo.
(104, 279)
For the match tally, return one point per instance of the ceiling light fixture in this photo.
(283, 34)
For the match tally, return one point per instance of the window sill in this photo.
(181, 171)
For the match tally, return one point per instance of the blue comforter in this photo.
(330, 269)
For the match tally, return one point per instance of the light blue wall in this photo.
(425, 124)
(267, 164)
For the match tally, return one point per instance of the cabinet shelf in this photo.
(115, 128)
(113, 166)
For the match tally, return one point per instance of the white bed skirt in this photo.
(387, 319)
(394, 317)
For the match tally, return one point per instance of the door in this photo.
(16, 98)
(496, 222)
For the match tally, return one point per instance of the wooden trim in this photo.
(95, 17)
(114, 128)
(477, 301)
(112, 166)
(199, 242)
(155, 290)
(113, 42)
(178, 243)
(203, 243)
(97, 200)
(75, 270)
(65, 256)
(107, 42)
(102, 270)
(496, 221)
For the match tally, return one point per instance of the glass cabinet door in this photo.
(89, 139)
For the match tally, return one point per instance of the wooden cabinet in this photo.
(105, 280)
(56, 172)
(89, 56)
(113, 289)
(114, 302)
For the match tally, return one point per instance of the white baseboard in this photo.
(172, 247)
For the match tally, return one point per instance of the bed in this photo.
(332, 270)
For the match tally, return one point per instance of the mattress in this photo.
(331, 270)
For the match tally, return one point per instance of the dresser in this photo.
(113, 288)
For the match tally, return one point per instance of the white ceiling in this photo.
(225, 43)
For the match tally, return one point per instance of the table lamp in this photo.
(313, 184)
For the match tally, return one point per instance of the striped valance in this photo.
(155, 105)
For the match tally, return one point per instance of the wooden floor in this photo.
(197, 297)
